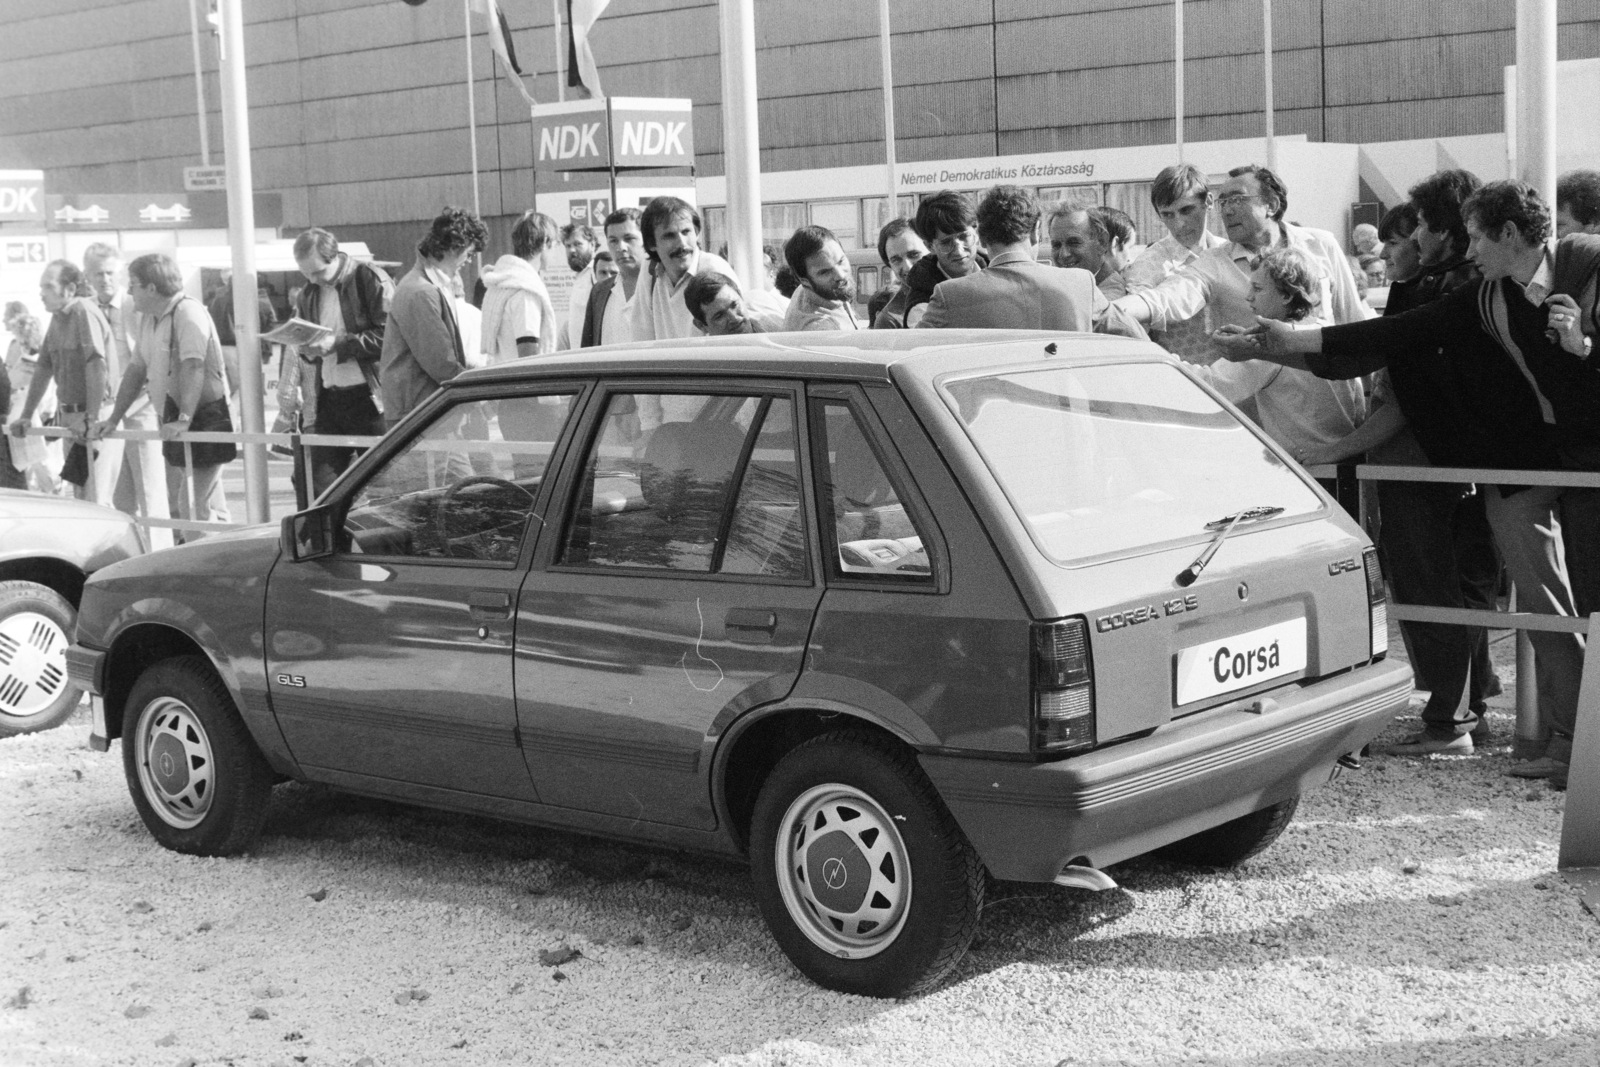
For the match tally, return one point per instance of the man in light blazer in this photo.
(1016, 291)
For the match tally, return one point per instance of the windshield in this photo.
(1106, 459)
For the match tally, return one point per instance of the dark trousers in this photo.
(341, 411)
(1580, 530)
(1438, 551)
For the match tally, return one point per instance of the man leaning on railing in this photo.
(177, 358)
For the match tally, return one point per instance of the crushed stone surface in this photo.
(1410, 915)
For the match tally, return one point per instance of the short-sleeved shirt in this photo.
(196, 341)
(78, 335)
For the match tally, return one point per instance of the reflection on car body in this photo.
(822, 601)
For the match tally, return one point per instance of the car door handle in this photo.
(489, 604)
(752, 621)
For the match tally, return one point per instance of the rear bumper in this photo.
(1028, 820)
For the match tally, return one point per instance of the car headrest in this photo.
(859, 480)
(687, 467)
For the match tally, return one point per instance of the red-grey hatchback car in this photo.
(879, 612)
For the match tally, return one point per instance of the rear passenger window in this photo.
(692, 483)
(873, 533)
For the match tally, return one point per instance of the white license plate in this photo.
(1240, 661)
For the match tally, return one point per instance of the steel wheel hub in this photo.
(33, 663)
(175, 764)
(843, 871)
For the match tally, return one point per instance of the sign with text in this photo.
(205, 179)
(22, 196)
(620, 131)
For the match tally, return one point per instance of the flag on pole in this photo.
(582, 74)
(500, 41)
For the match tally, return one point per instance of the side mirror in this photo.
(308, 534)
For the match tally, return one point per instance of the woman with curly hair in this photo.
(422, 340)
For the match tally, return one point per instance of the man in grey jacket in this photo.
(422, 341)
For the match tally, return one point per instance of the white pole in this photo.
(199, 84)
(891, 209)
(1266, 54)
(561, 50)
(1177, 72)
(472, 106)
(1536, 96)
(741, 142)
(242, 237)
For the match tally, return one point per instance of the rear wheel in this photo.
(865, 880)
(35, 629)
(197, 778)
(1234, 842)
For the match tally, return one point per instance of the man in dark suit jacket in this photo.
(1016, 291)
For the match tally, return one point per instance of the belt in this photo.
(72, 409)
(345, 388)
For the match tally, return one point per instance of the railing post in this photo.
(302, 471)
(1531, 734)
(1579, 858)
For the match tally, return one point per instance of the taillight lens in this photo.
(1063, 687)
(1377, 603)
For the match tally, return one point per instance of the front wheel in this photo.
(35, 629)
(866, 882)
(197, 778)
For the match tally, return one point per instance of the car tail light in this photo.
(1377, 603)
(1063, 687)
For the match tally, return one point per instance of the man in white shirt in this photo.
(1182, 198)
(580, 242)
(671, 231)
(518, 319)
(1217, 281)
(610, 305)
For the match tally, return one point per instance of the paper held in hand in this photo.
(296, 332)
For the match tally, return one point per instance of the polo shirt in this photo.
(78, 335)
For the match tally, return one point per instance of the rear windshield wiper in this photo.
(1224, 526)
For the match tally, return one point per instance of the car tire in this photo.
(901, 888)
(36, 624)
(197, 778)
(1234, 842)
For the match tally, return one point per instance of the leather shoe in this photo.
(1480, 733)
(1426, 744)
(1543, 767)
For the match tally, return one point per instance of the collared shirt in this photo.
(196, 342)
(578, 304)
(1111, 283)
(336, 375)
(78, 335)
(1543, 282)
(1218, 281)
(658, 308)
(1189, 337)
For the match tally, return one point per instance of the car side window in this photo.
(659, 487)
(464, 487)
(874, 535)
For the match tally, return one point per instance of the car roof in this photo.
(865, 355)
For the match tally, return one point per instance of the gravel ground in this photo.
(1410, 915)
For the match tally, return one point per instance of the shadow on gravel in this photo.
(1507, 1050)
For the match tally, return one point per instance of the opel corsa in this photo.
(879, 612)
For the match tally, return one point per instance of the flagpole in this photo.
(891, 208)
(472, 108)
(561, 53)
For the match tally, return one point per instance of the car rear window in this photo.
(1112, 458)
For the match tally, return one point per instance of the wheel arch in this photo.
(755, 743)
(133, 651)
(52, 573)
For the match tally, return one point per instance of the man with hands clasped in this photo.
(1498, 375)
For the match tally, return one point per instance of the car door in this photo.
(680, 593)
(391, 657)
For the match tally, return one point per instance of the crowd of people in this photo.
(1481, 358)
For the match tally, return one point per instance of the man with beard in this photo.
(822, 302)
(580, 242)
(945, 221)
(605, 320)
(671, 231)
(719, 309)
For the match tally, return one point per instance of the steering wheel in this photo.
(441, 521)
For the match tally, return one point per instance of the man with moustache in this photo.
(671, 229)
(945, 221)
(823, 300)
(605, 320)
(719, 309)
(74, 356)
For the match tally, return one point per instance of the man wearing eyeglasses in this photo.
(1253, 202)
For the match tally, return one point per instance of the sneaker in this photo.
(1543, 767)
(1426, 744)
